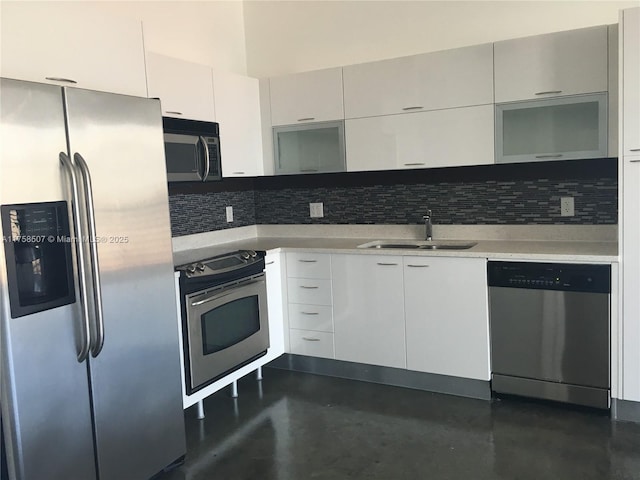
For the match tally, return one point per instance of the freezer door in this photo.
(44, 389)
(135, 379)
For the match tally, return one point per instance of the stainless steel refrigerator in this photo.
(89, 364)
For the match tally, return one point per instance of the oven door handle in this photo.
(224, 292)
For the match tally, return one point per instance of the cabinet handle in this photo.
(173, 112)
(271, 262)
(308, 339)
(308, 288)
(634, 149)
(417, 266)
(387, 264)
(307, 261)
(60, 79)
(634, 161)
(412, 108)
(413, 164)
(238, 173)
(550, 92)
(309, 313)
(558, 155)
(306, 119)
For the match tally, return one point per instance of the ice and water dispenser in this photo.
(37, 245)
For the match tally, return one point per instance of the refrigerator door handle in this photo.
(97, 342)
(77, 226)
(207, 160)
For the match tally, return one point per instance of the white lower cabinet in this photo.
(440, 138)
(278, 335)
(368, 309)
(311, 343)
(310, 312)
(447, 319)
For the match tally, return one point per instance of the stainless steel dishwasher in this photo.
(550, 327)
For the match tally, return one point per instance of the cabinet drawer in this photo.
(309, 291)
(314, 344)
(311, 317)
(309, 265)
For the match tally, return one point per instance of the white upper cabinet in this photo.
(237, 101)
(450, 78)
(631, 82)
(185, 89)
(447, 318)
(307, 97)
(49, 43)
(542, 66)
(440, 138)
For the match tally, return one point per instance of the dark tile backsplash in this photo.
(491, 202)
(470, 195)
(204, 212)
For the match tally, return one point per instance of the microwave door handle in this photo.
(82, 269)
(206, 159)
(98, 341)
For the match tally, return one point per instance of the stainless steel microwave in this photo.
(192, 150)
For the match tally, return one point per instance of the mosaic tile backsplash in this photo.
(489, 202)
(205, 212)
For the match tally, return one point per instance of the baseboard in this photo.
(625, 410)
(464, 387)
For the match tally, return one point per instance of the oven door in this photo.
(227, 328)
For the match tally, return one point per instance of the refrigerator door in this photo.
(44, 390)
(135, 378)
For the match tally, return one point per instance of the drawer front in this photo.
(314, 344)
(309, 265)
(309, 291)
(318, 318)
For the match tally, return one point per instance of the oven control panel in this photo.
(221, 264)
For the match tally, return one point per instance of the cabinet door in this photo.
(368, 309)
(441, 138)
(447, 316)
(278, 326)
(631, 277)
(45, 41)
(563, 128)
(237, 101)
(312, 148)
(631, 81)
(185, 89)
(562, 63)
(420, 82)
(307, 97)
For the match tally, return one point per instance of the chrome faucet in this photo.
(428, 226)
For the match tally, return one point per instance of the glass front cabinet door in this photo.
(309, 148)
(562, 128)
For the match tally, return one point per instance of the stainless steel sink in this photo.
(426, 245)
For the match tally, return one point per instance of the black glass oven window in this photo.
(229, 324)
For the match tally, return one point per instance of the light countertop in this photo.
(525, 250)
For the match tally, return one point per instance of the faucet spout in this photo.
(428, 226)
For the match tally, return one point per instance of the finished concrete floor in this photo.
(296, 426)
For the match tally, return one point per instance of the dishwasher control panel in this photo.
(550, 276)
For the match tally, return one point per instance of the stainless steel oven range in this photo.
(224, 315)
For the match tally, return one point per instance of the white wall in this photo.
(207, 32)
(293, 36)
